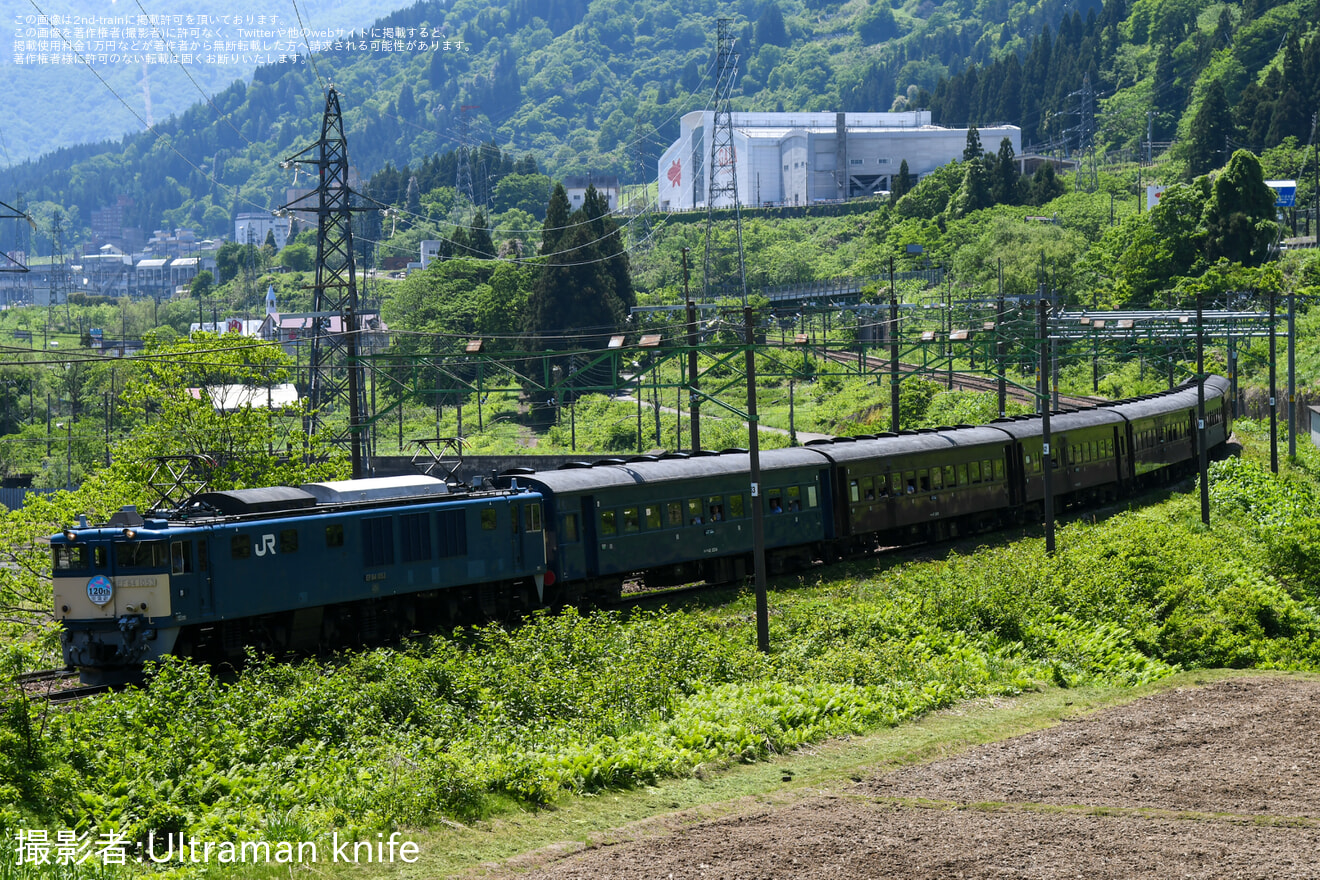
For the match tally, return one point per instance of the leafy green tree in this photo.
(975, 191)
(238, 435)
(1045, 185)
(876, 23)
(479, 241)
(1006, 182)
(770, 30)
(556, 220)
(1210, 131)
(200, 286)
(1239, 216)
(901, 184)
(525, 192)
(298, 257)
(973, 150)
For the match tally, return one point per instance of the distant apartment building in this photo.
(253, 227)
(110, 226)
(179, 243)
(809, 158)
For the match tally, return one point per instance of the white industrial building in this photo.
(808, 158)
(252, 228)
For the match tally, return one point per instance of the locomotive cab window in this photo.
(142, 554)
(489, 519)
(181, 557)
(533, 517)
(288, 540)
(240, 546)
(69, 557)
(334, 535)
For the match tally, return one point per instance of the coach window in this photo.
(715, 507)
(609, 523)
(999, 468)
(923, 480)
(631, 523)
(910, 482)
(962, 475)
(694, 512)
(811, 496)
(936, 479)
(975, 472)
(288, 540)
(794, 499)
(985, 470)
(570, 530)
(776, 503)
(652, 516)
(868, 488)
(854, 492)
(736, 506)
(882, 486)
(674, 513)
(334, 535)
(240, 546)
(950, 479)
(533, 517)
(181, 557)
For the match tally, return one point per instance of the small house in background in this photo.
(295, 329)
(605, 184)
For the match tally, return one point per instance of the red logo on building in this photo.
(675, 174)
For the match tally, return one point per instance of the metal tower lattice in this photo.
(463, 179)
(722, 174)
(335, 371)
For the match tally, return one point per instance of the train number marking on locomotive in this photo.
(267, 545)
(147, 581)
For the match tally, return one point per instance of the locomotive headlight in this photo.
(130, 534)
(70, 535)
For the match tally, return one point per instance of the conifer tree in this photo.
(1211, 128)
(556, 220)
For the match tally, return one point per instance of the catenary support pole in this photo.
(1201, 456)
(758, 504)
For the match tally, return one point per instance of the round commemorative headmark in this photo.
(100, 590)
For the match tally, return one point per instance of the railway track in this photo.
(48, 685)
(968, 381)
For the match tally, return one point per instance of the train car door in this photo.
(190, 585)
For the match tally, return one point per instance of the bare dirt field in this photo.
(1216, 781)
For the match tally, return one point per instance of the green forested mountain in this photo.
(589, 85)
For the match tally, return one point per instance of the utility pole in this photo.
(758, 504)
(694, 398)
(1046, 455)
(1200, 411)
(1274, 410)
(893, 351)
